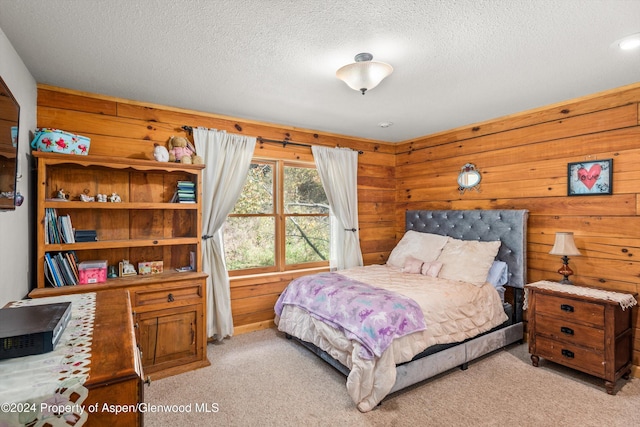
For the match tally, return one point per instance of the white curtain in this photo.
(338, 170)
(228, 157)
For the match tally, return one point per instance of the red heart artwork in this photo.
(589, 177)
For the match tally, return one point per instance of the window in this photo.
(280, 222)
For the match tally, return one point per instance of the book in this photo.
(49, 267)
(54, 271)
(185, 192)
(67, 229)
(85, 236)
(65, 269)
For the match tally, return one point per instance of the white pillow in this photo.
(467, 260)
(423, 246)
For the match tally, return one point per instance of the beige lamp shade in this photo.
(564, 245)
(364, 74)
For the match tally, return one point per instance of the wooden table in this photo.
(114, 382)
(116, 372)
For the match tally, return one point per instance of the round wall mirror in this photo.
(469, 178)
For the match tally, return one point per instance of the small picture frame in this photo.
(126, 268)
(150, 267)
(592, 178)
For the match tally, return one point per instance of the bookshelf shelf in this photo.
(169, 307)
(110, 244)
(120, 206)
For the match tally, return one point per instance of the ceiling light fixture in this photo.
(364, 74)
(630, 42)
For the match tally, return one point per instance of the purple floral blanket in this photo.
(370, 315)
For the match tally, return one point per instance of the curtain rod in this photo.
(284, 142)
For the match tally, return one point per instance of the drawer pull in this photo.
(567, 353)
(566, 330)
(170, 298)
(566, 307)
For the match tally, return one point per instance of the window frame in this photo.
(280, 221)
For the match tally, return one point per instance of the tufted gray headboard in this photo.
(508, 226)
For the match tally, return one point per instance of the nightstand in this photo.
(582, 328)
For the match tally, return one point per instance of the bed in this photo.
(464, 314)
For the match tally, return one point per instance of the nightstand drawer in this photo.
(569, 332)
(570, 309)
(186, 292)
(586, 360)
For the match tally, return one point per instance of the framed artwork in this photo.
(590, 178)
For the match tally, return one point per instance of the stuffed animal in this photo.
(182, 151)
(160, 153)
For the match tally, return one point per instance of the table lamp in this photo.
(565, 246)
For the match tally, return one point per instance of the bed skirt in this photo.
(436, 361)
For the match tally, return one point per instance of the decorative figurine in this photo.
(114, 198)
(160, 153)
(102, 198)
(127, 269)
(62, 195)
(86, 198)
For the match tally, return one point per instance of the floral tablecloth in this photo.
(48, 389)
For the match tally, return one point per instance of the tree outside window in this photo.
(280, 222)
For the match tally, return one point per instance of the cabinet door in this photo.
(147, 325)
(168, 337)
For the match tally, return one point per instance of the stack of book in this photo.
(185, 193)
(57, 229)
(61, 269)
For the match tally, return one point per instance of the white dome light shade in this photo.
(364, 74)
(630, 42)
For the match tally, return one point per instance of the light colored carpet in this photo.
(263, 379)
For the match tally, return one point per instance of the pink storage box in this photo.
(92, 272)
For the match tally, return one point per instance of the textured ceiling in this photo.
(455, 62)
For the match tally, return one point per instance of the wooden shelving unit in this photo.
(169, 308)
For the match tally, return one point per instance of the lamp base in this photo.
(565, 281)
(565, 271)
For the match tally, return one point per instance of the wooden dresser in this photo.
(588, 333)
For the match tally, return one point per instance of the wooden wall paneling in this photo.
(180, 117)
(623, 204)
(580, 106)
(531, 157)
(589, 124)
(75, 101)
(98, 124)
(375, 212)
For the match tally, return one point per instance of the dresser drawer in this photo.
(586, 360)
(570, 309)
(570, 332)
(185, 292)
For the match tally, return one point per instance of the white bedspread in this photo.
(454, 311)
